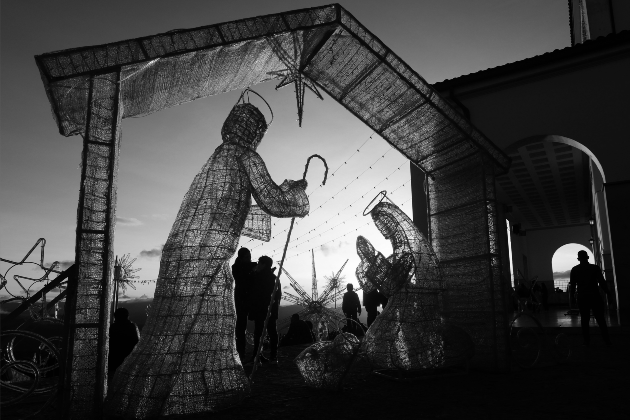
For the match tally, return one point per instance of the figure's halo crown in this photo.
(245, 93)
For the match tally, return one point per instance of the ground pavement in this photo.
(593, 384)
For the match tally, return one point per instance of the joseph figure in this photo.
(186, 361)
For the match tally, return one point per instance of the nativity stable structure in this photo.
(91, 89)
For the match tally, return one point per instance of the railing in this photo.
(528, 339)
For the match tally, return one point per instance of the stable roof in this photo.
(326, 44)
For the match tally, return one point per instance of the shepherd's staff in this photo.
(275, 286)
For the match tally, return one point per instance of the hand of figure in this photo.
(288, 185)
(302, 183)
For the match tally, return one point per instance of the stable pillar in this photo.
(465, 236)
(84, 360)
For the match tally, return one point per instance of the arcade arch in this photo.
(563, 260)
(554, 196)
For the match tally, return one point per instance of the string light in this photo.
(345, 162)
(342, 210)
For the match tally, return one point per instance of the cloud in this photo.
(63, 264)
(151, 253)
(328, 249)
(160, 216)
(128, 221)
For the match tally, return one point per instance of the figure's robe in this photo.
(186, 361)
(411, 332)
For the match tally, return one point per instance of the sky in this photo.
(161, 153)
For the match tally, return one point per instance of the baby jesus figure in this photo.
(186, 361)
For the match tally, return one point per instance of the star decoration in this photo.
(292, 74)
(314, 306)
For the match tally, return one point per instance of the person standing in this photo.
(261, 284)
(371, 301)
(241, 270)
(544, 296)
(350, 306)
(587, 278)
(123, 337)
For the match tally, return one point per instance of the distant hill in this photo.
(137, 311)
(137, 308)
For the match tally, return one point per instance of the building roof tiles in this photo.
(593, 45)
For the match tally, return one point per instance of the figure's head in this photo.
(264, 263)
(121, 315)
(389, 220)
(245, 125)
(583, 256)
(244, 254)
(349, 287)
(295, 318)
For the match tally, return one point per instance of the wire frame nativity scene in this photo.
(446, 295)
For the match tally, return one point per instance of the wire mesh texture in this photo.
(409, 333)
(331, 47)
(326, 363)
(91, 89)
(464, 234)
(84, 358)
(186, 361)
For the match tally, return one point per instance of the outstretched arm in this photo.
(286, 200)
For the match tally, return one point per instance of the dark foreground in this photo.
(594, 384)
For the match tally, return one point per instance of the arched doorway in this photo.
(554, 192)
(563, 260)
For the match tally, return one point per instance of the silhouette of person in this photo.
(299, 332)
(586, 278)
(371, 301)
(544, 296)
(311, 333)
(262, 282)
(241, 270)
(350, 306)
(123, 337)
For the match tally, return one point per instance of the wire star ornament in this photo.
(292, 73)
(314, 306)
(124, 272)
